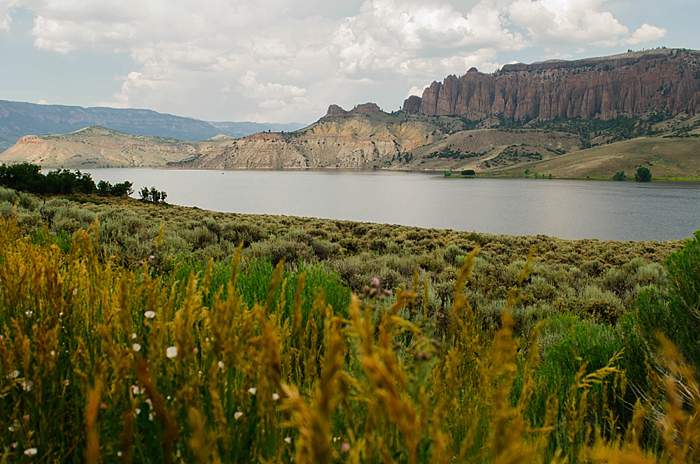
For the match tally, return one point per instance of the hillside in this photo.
(368, 138)
(18, 119)
(662, 81)
(667, 157)
(96, 147)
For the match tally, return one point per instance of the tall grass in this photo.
(250, 361)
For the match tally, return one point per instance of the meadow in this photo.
(141, 332)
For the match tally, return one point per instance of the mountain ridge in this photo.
(18, 119)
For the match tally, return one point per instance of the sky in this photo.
(287, 60)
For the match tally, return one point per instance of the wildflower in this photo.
(27, 385)
(13, 375)
(14, 445)
(30, 452)
(119, 454)
(237, 415)
(151, 415)
(136, 347)
(138, 411)
(29, 313)
(135, 390)
(252, 390)
(52, 353)
(275, 396)
(149, 314)
(171, 352)
(288, 440)
(345, 447)
(220, 364)
(66, 383)
(133, 336)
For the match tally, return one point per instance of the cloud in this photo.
(646, 33)
(568, 21)
(285, 60)
(393, 35)
(5, 18)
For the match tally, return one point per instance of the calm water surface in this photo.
(562, 208)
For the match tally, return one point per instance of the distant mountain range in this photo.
(587, 119)
(18, 119)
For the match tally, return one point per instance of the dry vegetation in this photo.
(132, 332)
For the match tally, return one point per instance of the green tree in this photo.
(643, 174)
(620, 175)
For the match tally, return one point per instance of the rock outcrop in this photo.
(632, 84)
(335, 111)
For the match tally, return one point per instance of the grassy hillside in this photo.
(154, 339)
(672, 158)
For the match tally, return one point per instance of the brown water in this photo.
(561, 208)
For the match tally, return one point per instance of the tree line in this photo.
(27, 177)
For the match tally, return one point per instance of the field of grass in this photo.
(669, 158)
(133, 332)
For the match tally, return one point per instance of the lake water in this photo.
(561, 208)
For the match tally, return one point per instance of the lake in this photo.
(561, 208)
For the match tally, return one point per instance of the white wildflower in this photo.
(136, 347)
(252, 390)
(288, 440)
(13, 375)
(171, 352)
(220, 364)
(27, 385)
(149, 314)
(133, 336)
(30, 452)
(237, 415)
(275, 396)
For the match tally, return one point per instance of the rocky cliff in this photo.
(631, 84)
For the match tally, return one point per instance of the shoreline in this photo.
(435, 172)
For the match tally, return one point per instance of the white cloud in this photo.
(646, 33)
(570, 21)
(5, 18)
(390, 35)
(283, 60)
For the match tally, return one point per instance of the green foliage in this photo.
(468, 173)
(29, 178)
(152, 195)
(675, 310)
(619, 176)
(643, 174)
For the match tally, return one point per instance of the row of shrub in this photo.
(28, 177)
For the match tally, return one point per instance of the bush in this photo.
(643, 174)
(676, 312)
(619, 176)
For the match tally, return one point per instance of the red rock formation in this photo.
(632, 84)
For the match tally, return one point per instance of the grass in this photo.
(141, 333)
(669, 159)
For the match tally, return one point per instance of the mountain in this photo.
(95, 147)
(368, 138)
(18, 119)
(634, 84)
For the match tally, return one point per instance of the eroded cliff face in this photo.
(632, 84)
(362, 138)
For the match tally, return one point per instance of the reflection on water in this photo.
(562, 208)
